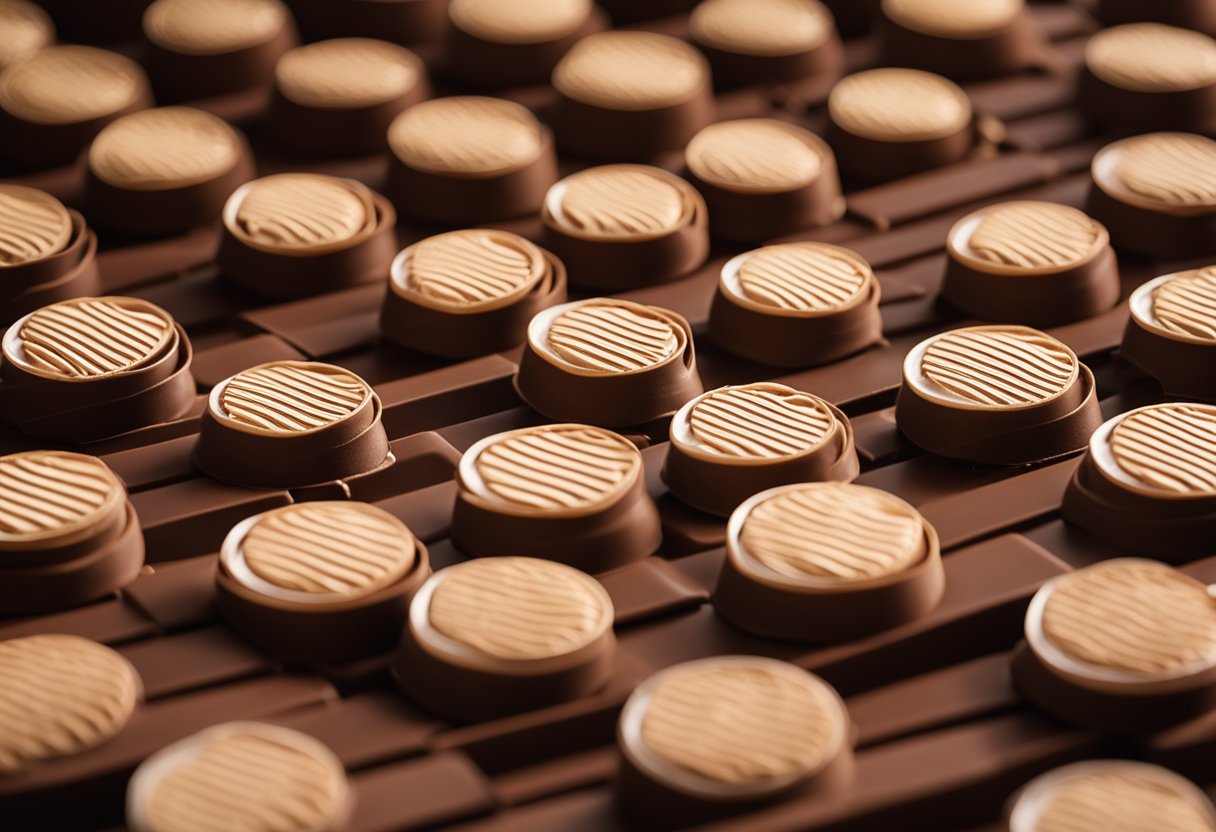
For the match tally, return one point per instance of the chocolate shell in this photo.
(1188, 14)
(1172, 332)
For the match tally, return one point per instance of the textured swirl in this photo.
(33, 225)
(301, 211)
(755, 155)
(742, 723)
(519, 21)
(247, 776)
(519, 608)
(894, 105)
(953, 18)
(170, 147)
(46, 493)
(291, 396)
(1171, 447)
(347, 73)
(1120, 800)
(1035, 235)
(834, 531)
(1177, 170)
(558, 467)
(212, 27)
(760, 421)
(91, 337)
(1187, 304)
(1149, 57)
(61, 695)
(71, 84)
(340, 548)
(473, 267)
(631, 71)
(995, 366)
(803, 277)
(762, 27)
(24, 29)
(1132, 615)
(466, 135)
(621, 201)
(613, 337)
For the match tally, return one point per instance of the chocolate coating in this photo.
(769, 41)
(1172, 330)
(1188, 14)
(962, 39)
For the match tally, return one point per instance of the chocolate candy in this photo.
(24, 29)
(241, 775)
(732, 442)
(1172, 331)
(287, 424)
(55, 101)
(499, 636)
(888, 123)
(469, 293)
(297, 234)
(608, 362)
(763, 178)
(320, 582)
(827, 562)
(711, 737)
(67, 533)
(1189, 14)
(163, 171)
(1003, 395)
(91, 368)
(622, 227)
(1126, 646)
(1156, 193)
(796, 305)
(961, 39)
(569, 493)
(469, 159)
(630, 95)
(1037, 263)
(338, 97)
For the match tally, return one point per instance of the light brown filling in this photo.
(1035, 235)
(611, 337)
(49, 494)
(24, 29)
(760, 421)
(302, 211)
(473, 267)
(170, 147)
(953, 18)
(211, 27)
(33, 226)
(762, 27)
(1175, 170)
(1149, 57)
(292, 396)
(468, 135)
(519, 21)
(1187, 304)
(803, 277)
(896, 105)
(347, 73)
(1119, 801)
(631, 71)
(999, 366)
(622, 201)
(91, 337)
(71, 84)
(755, 154)
(1170, 447)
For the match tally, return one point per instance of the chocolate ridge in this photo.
(1182, 365)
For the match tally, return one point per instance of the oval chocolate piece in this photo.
(756, 156)
(164, 148)
(300, 213)
(603, 337)
(213, 27)
(631, 71)
(62, 85)
(288, 397)
(798, 279)
(961, 19)
(519, 22)
(1028, 236)
(1185, 305)
(54, 498)
(470, 270)
(1150, 57)
(757, 421)
(24, 29)
(899, 105)
(620, 202)
(762, 27)
(347, 73)
(33, 226)
(467, 136)
(1173, 173)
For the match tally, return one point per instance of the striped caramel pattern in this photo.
(169, 147)
(1186, 304)
(519, 21)
(998, 366)
(898, 105)
(90, 337)
(45, 492)
(466, 135)
(292, 396)
(347, 73)
(1177, 170)
(612, 337)
(211, 27)
(473, 266)
(760, 421)
(33, 225)
(803, 277)
(1170, 447)
(71, 84)
(754, 154)
(621, 201)
(301, 211)
(1122, 801)
(953, 18)
(762, 27)
(631, 71)
(1035, 235)
(1150, 57)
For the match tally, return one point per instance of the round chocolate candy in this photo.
(24, 29)
(1156, 193)
(608, 362)
(320, 582)
(796, 305)
(767, 41)
(297, 234)
(241, 775)
(468, 293)
(711, 737)
(1199, 15)
(469, 159)
(619, 227)
(92, 368)
(164, 171)
(569, 493)
(498, 636)
(1172, 332)
(53, 103)
(889, 123)
(1002, 395)
(630, 95)
(1037, 263)
(62, 695)
(763, 178)
(287, 424)
(338, 97)
(1126, 646)
(732, 442)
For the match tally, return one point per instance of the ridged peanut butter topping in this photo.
(631, 71)
(1169, 447)
(347, 73)
(999, 366)
(762, 27)
(474, 266)
(1187, 304)
(292, 396)
(896, 105)
(755, 155)
(519, 21)
(834, 531)
(24, 29)
(558, 467)
(953, 18)
(329, 548)
(301, 211)
(70, 84)
(760, 421)
(466, 135)
(1150, 57)
(621, 201)
(212, 27)
(169, 147)
(741, 723)
(1174, 170)
(803, 277)
(606, 337)
(1119, 800)
(33, 225)
(1132, 615)
(89, 337)
(61, 695)
(51, 494)
(519, 609)
(1035, 235)
(249, 777)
